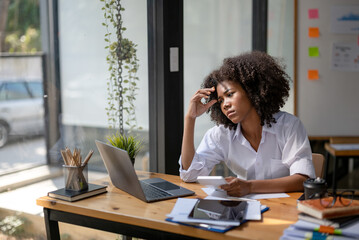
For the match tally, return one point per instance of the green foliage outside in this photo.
(13, 225)
(22, 33)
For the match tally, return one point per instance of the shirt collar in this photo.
(265, 128)
(237, 132)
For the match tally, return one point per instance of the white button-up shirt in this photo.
(284, 150)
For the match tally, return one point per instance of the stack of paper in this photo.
(307, 230)
(214, 214)
(219, 193)
(318, 222)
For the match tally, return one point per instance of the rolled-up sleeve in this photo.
(303, 166)
(208, 154)
(197, 168)
(297, 153)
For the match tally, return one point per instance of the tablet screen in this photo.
(224, 210)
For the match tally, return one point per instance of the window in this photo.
(35, 89)
(84, 73)
(281, 39)
(213, 30)
(16, 91)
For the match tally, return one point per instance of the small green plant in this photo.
(13, 225)
(129, 143)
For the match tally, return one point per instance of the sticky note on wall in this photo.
(313, 74)
(313, 32)
(313, 52)
(313, 13)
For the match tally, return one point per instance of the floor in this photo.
(14, 199)
(21, 202)
(19, 160)
(22, 154)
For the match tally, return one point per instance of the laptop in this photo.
(123, 176)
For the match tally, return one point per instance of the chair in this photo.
(318, 162)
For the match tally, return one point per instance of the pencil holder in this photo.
(75, 178)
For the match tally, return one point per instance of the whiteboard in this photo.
(327, 106)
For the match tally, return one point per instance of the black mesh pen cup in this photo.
(75, 178)
(314, 188)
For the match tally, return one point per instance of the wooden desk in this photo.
(119, 212)
(337, 154)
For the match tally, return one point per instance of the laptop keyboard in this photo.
(153, 192)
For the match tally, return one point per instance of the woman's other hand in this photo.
(196, 107)
(236, 187)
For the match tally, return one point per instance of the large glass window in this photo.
(15, 91)
(84, 74)
(22, 142)
(35, 89)
(281, 39)
(213, 30)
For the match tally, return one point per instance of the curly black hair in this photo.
(261, 76)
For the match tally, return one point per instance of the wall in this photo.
(327, 106)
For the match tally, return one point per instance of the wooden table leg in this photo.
(334, 174)
(326, 166)
(52, 227)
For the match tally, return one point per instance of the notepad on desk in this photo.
(71, 196)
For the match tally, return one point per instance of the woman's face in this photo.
(234, 101)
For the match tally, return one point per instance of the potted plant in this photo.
(129, 143)
(122, 82)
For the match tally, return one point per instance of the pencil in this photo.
(87, 158)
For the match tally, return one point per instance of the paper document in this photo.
(254, 209)
(266, 195)
(184, 206)
(214, 192)
(350, 230)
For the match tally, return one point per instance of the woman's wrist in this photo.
(188, 117)
(251, 186)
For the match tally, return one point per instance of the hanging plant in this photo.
(123, 66)
(122, 82)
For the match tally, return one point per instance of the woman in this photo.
(267, 149)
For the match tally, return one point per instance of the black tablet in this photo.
(223, 210)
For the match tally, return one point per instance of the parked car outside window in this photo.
(21, 108)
